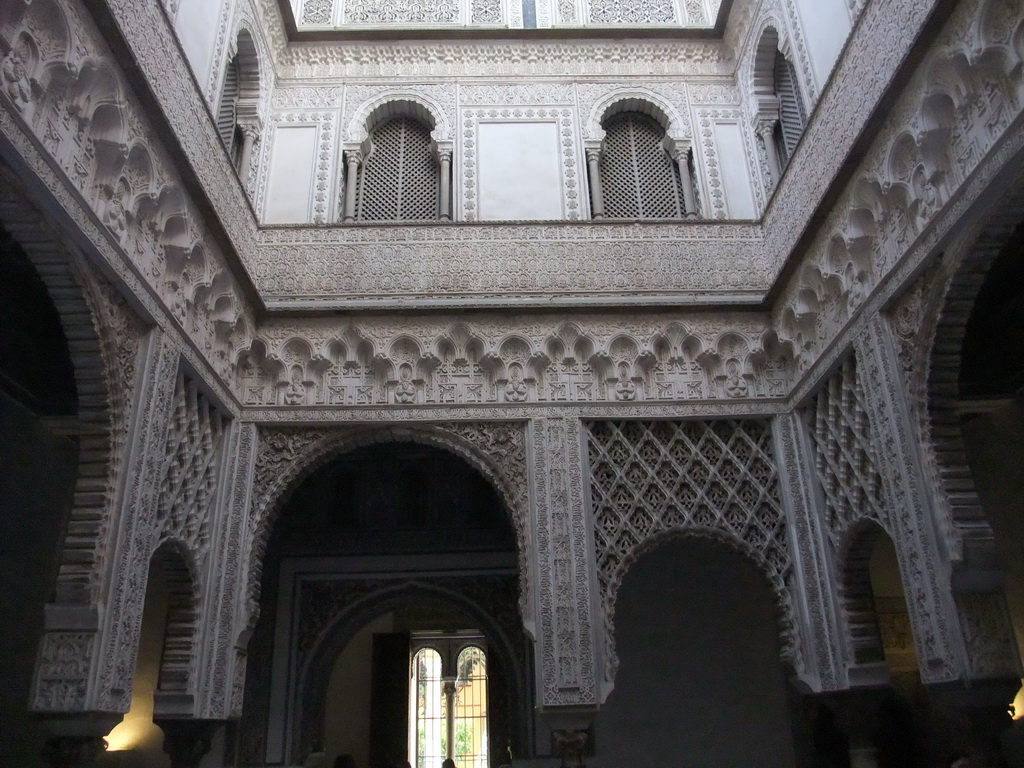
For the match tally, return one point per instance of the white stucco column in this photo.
(596, 190)
(250, 135)
(444, 157)
(766, 131)
(353, 158)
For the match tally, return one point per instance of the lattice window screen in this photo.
(399, 180)
(640, 180)
(651, 477)
(846, 462)
(791, 107)
(226, 113)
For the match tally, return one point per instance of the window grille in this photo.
(399, 180)
(226, 114)
(640, 180)
(791, 108)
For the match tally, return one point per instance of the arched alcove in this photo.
(162, 684)
(400, 537)
(700, 681)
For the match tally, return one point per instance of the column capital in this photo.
(678, 149)
(592, 149)
(353, 153)
(444, 150)
(251, 129)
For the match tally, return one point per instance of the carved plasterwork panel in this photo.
(718, 479)
(325, 181)
(506, 59)
(516, 94)
(104, 144)
(939, 131)
(362, 99)
(570, 162)
(567, 640)
(670, 98)
(192, 473)
(846, 459)
(706, 147)
(136, 534)
(819, 661)
(220, 683)
(653, 12)
(911, 514)
(500, 265)
(541, 359)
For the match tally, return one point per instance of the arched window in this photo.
(780, 118)
(792, 119)
(638, 177)
(399, 179)
(238, 108)
(448, 702)
(427, 716)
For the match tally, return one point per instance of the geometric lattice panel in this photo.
(191, 466)
(632, 12)
(399, 179)
(639, 179)
(716, 477)
(844, 453)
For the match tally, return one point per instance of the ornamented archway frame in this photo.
(286, 456)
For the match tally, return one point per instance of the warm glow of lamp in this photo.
(1017, 707)
(127, 734)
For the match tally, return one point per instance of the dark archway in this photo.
(398, 528)
(38, 470)
(700, 681)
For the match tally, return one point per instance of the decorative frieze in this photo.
(450, 364)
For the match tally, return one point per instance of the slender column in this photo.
(766, 130)
(449, 720)
(353, 157)
(445, 157)
(596, 190)
(250, 133)
(689, 199)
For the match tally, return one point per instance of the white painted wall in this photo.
(736, 179)
(290, 180)
(520, 171)
(826, 25)
(197, 23)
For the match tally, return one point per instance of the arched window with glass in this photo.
(448, 702)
